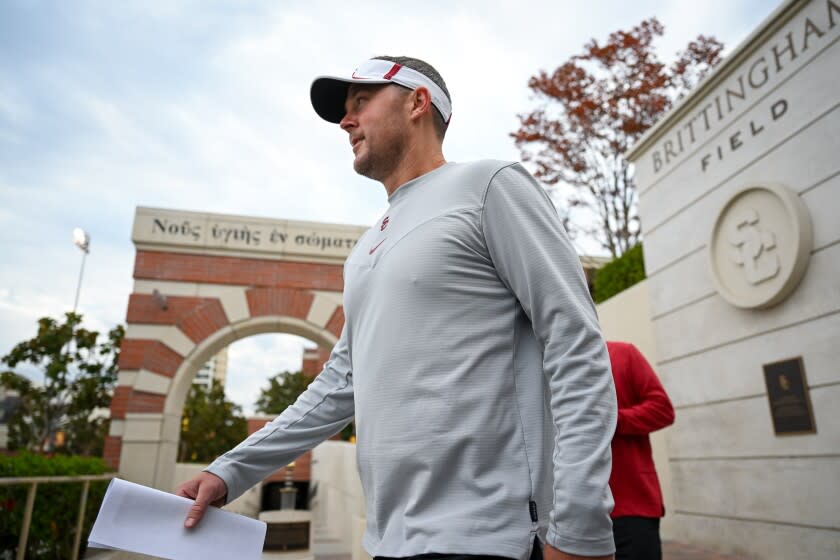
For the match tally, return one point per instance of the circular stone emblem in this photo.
(760, 246)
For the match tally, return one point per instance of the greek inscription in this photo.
(181, 229)
(228, 235)
(243, 235)
(277, 236)
(324, 242)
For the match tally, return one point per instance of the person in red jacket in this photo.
(643, 407)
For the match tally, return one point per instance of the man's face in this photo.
(376, 122)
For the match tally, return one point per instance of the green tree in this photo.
(282, 392)
(210, 425)
(79, 371)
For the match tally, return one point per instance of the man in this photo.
(643, 407)
(470, 356)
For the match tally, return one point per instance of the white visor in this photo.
(329, 93)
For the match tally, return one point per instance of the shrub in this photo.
(619, 274)
(53, 526)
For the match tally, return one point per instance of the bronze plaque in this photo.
(287, 536)
(790, 404)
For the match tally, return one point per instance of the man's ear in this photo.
(421, 102)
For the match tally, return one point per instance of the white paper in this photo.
(144, 520)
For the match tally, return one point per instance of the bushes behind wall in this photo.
(619, 274)
(54, 516)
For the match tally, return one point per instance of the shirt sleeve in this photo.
(653, 410)
(537, 262)
(321, 411)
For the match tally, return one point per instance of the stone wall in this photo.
(739, 186)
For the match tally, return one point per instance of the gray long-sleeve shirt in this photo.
(472, 360)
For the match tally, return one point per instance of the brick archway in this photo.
(188, 303)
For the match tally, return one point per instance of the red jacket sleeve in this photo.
(652, 410)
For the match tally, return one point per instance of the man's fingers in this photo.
(203, 497)
(196, 513)
(206, 489)
(187, 490)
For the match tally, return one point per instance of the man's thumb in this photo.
(199, 507)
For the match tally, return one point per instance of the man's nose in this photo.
(347, 122)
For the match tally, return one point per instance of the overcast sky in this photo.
(204, 106)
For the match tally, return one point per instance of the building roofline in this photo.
(772, 23)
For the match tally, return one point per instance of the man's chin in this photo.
(362, 167)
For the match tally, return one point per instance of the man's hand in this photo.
(206, 489)
(551, 553)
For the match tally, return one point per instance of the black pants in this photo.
(536, 554)
(637, 538)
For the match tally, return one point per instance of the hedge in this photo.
(54, 516)
(619, 274)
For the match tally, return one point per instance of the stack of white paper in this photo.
(140, 519)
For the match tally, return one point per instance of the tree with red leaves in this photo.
(592, 109)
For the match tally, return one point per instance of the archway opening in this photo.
(201, 283)
(234, 394)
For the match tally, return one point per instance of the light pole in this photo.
(82, 240)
